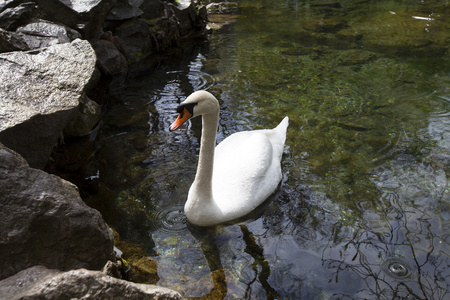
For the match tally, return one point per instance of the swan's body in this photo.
(236, 176)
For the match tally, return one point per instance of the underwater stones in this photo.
(323, 25)
(222, 8)
(221, 14)
(142, 268)
(402, 33)
(39, 93)
(355, 56)
(42, 283)
(218, 21)
(45, 222)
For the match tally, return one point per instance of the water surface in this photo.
(363, 208)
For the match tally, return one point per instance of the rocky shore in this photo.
(52, 54)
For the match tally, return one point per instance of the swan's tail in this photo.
(280, 131)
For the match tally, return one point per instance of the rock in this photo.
(323, 25)
(187, 18)
(85, 16)
(402, 33)
(13, 17)
(142, 268)
(222, 8)
(39, 93)
(328, 4)
(124, 10)
(40, 34)
(136, 38)
(86, 118)
(110, 60)
(10, 41)
(41, 283)
(355, 57)
(151, 9)
(45, 222)
(219, 21)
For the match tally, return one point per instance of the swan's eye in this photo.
(188, 106)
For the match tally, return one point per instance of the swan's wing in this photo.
(242, 163)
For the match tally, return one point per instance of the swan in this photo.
(236, 176)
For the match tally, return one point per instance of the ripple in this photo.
(397, 267)
(170, 219)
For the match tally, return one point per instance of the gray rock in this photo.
(10, 41)
(110, 60)
(222, 8)
(41, 283)
(136, 38)
(85, 16)
(86, 118)
(39, 93)
(124, 10)
(150, 9)
(13, 17)
(40, 34)
(45, 222)
(187, 18)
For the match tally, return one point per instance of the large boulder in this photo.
(39, 92)
(41, 283)
(45, 222)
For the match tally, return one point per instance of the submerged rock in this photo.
(409, 32)
(42, 283)
(142, 268)
(45, 222)
(39, 93)
(222, 8)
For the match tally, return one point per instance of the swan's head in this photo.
(197, 104)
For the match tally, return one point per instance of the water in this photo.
(363, 208)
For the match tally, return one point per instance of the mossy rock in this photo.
(143, 269)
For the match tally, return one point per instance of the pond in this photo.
(362, 211)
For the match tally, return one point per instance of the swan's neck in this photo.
(203, 178)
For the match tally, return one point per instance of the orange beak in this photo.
(182, 117)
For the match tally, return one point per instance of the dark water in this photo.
(363, 208)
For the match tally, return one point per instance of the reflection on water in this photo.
(363, 209)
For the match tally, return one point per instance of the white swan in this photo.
(236, 176)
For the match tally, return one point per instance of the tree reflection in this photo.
(404, 262)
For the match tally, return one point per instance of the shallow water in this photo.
(363, 208)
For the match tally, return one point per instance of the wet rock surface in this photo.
(41, 283)
(45, 222)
